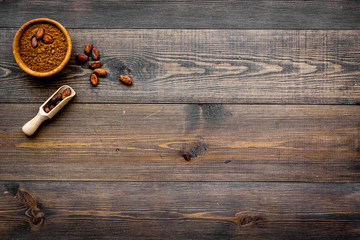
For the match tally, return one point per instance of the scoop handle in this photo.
(31, 126)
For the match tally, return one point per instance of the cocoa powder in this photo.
(45, 56)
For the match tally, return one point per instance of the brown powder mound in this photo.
(44, 57)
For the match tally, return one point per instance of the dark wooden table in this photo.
(262, 97)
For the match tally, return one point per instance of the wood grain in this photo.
(192, 210)
(262, 14)
(202, 66)
(137, 142)
(242, 123)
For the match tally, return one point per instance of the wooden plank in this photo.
(192, 210)
(265, 14)
(136, 142)
(202, 66)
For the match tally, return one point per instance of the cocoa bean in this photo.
(40, 33)
(47, 39)
(95, 64)
(95, 54)
(82, 57)
(93, 79)
(126, 79)
(88, 48)
(47, 109)
(66, 93)
(34, 42)
(55, 98)
(100, 72)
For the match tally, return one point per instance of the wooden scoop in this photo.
(31, 126)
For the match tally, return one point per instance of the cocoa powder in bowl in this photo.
(45, 56)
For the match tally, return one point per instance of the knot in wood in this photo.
(247, 219)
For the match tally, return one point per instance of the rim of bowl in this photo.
(20, 62)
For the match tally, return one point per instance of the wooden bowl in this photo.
(20, 62)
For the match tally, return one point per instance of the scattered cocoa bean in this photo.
(47, 109)
(40, 33)
(100, 72)
(47, 39)
(95, 64)
(95, 54)
(82, 57)
(66, 93)
(51, 107)
(34, 42)
(88, 48)
(93, 79)
(126, 79)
